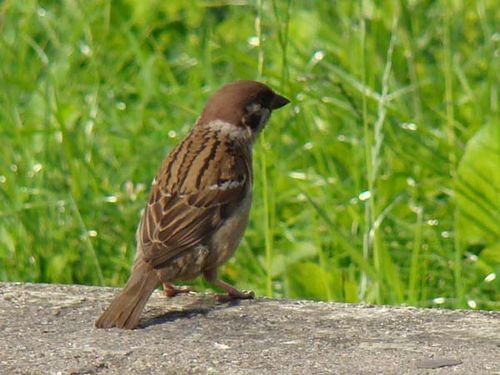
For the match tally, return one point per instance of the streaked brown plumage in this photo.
(199, 203)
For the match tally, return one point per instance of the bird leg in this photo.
(171, 290)
(232, 292)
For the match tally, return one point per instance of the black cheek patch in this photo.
(253, 120)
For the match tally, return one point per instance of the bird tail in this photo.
(126, 308)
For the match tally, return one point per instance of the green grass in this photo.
(380, 183)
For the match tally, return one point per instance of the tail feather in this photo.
(126, 308)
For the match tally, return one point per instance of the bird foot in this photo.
(233, 295)
(171, 290)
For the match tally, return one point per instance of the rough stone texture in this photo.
(48, 329)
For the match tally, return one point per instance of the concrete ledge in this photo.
(48, 329)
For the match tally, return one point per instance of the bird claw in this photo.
(222, 298)
(172, 290)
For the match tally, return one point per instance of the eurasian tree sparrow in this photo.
(199, 203)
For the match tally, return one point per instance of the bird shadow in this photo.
(184, 308)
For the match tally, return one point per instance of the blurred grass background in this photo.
(380, 183)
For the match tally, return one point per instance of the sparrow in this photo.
(199, 203)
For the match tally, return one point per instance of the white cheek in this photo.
(264, 117)
(228, 129)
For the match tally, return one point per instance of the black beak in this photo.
(279, 101)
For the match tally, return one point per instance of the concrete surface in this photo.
(48, 329)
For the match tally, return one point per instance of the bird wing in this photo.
(177, 219)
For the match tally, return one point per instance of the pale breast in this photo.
(227, 238)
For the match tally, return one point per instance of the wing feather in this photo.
(177, 219)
